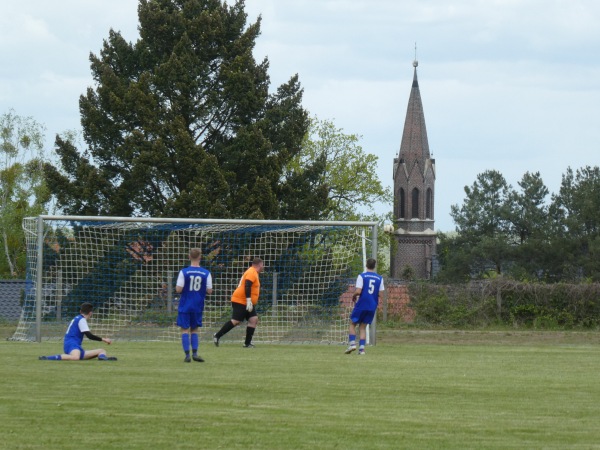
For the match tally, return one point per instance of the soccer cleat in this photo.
(43, 358)
(362, 352)
(108, 358)
(248, 345)
(350, 349)
(216, 340)
(197, 358)
(187, 359)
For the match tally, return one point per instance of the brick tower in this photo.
(414, 194)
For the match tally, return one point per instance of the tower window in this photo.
(415, 203)
(402, 204)
(428, 204)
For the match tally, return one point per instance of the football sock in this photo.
(185, 342)
(54, 358)
(194, 343)
(102, 356)
(352, 339)
(362, 343)
(249, 334)
(226, 328)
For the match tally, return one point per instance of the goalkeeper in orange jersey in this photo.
(243, 302)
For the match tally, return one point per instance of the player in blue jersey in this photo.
(369, 288)
(74, 338)
(193, 283)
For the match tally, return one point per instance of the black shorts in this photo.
(239, 312)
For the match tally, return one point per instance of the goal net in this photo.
(127, 268)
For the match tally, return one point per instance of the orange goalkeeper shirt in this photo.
(239, 295)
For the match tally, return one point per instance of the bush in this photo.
(451, 305)
(507, 302)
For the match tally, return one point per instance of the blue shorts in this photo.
(189, 320)
(362, 316)
(69, 346)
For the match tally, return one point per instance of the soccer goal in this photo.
(127, 268)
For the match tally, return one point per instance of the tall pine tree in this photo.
(181, 123)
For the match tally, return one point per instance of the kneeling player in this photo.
(369, 288)
(74, 338)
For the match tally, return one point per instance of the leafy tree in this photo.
(181, 123)
(344, 177)
(22, 188)
(347, 172)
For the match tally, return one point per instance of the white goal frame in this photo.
(35, 272)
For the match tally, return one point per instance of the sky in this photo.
(510, 85)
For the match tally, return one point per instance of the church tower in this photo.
(414, 195)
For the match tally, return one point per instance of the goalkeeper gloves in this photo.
(249, 306)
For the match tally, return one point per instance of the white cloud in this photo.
(512, 85)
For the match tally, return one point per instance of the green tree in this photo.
(484, 210)
(181, 123)
(575, 211)
(528, 210)
(348, 173)
(454, 257)
(483, 224)
(530, 227)
(344, 178)
(521, 235)
(23, 191)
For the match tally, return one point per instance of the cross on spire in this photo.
(415, 62)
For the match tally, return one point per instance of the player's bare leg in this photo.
(75, 355)
(363, 330)
(91, 354)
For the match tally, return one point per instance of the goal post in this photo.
(127, 268)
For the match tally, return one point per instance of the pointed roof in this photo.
(414, 146)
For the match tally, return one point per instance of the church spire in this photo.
(414, 146)
(414, 193)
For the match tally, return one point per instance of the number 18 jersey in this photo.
(195, 281)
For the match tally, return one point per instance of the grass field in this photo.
(415, 389)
